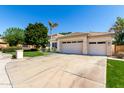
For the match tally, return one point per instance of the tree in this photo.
(14, 36)
(52, 26)
(36, 34)
(118, 28)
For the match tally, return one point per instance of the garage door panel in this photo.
(75, 48)
(97, 49)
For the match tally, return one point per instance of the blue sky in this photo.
(70, 18)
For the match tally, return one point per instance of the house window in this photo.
(54, 45)
(100, 42)
(92, 42)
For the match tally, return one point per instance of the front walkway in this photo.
(59, 71)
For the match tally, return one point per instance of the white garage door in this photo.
(74, 47)
(97, 48)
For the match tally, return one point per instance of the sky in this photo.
(70, 18)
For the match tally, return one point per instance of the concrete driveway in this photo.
(4, 80)
(59, 71)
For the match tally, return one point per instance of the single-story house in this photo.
(3, 44)
(93, 43)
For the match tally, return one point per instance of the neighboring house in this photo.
(53, 41)
(3, 44)
(94, 43)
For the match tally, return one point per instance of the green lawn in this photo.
(31, 53)
(115, 74)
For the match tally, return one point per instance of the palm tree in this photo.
(52, 26)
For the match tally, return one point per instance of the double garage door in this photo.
(74, 47)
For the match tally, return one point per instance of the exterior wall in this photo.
(76, 38)
(58, 46)
(113, 49)
(3, 46)
(27, 47)
(107, 39)
(1, 40)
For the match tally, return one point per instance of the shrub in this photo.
(54, 49)
(13, 56)
(31, 50)
(10, 49)
(48, 50)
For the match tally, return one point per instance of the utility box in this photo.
(19, 54)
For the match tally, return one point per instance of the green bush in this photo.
(10, 49)
(54, 50)
(13, 56)
(48, 50)
(31, 50)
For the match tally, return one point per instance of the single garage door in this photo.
(97, 48)
(74, 47)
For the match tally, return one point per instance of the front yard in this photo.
(115, 74)
(31, 53)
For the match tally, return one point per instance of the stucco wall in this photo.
(3, 46)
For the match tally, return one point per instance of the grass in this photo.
(115, 74)
(31, 53)
(34, 53)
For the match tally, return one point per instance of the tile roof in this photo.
(88, 34)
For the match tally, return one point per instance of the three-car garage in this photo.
(87, 44)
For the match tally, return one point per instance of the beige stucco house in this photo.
(94, 43)
(3, 44)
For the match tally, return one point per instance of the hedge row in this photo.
(10, 49)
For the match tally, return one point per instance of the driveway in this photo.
(4, 80)
(59, 71)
